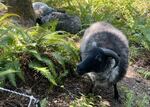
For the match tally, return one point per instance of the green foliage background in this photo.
(130, 16)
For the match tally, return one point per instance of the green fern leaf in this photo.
(43, 102)
(44, 60)
(12, 79)
(71, 51)
(5, 16)
(50, 65)
(44, 71)
(6, 72)
(59, 58)
(35, 54)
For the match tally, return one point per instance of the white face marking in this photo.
(113, 62)
(114, 74)
(94, 44)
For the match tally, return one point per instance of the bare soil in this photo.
(74, 87)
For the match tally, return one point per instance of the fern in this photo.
(144, 72)
(44, 71)
(35, 42)
(59, 58)
(43, 102)
(9, 70)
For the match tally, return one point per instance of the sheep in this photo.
(71, 24)
(44, 14)
(41, 9)
(104, 55)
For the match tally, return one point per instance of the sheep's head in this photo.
(96, 60)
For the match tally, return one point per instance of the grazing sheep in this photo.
(44, 14)
(104, 54)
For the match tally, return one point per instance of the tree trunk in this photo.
(24, 9)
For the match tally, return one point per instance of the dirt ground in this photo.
(75, 87)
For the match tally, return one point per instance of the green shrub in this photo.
(38, 48)
(144, 72)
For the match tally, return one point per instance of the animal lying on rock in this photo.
(104, 55)
(68, 23)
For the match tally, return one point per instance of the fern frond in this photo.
(44, 71)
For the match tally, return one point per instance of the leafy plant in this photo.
(84, 101)
(143, 102)
(43, 102)
(144, 72)
(129, 99)
(49, 53)
(133, 99)
(130, 16)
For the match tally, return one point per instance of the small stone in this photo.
(72, 97)
(55, 101)
(28, 91)
(138, 80)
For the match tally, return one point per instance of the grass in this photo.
(130, 99)
(134, 100)
(144, 72)
(87, 101)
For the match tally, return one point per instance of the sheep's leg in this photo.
(116, 94)
(92, 89)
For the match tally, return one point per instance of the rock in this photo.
(138, 80)
(71, 24)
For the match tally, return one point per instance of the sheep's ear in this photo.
(98, 57)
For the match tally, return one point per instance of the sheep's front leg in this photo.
(116, 94)
(93, 88)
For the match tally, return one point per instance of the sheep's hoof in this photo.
(116, 97)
